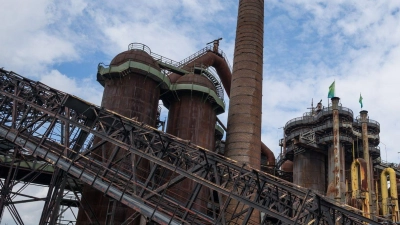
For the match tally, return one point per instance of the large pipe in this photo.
(393, 193)
(270, 155)
(212, 59)
(357, 190)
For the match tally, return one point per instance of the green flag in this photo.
(331, 92)
(360, 100)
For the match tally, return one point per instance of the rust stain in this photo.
(363, 174)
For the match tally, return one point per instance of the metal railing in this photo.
(139, 46)
(157, 57)
(210, 73)
(369, 121)
(202, 52)
(313, 118)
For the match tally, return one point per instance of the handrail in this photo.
(210, 73)
(139, 46)
(194, 56)
(324, 111)
(200, 53)
(368, 121)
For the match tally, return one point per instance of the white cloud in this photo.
(28, 43)
(86, 88)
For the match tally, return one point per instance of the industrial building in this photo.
(121, 169)
(335, 153)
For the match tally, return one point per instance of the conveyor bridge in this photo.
(67, 132)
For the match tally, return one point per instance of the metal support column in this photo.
(335, 158)
(364, 127)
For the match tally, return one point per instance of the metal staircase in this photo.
(32, 116)
(200, 69)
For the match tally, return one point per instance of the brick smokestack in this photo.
(243, 142)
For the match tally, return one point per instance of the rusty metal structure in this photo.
(338, 155)
(113, 163)
(134, 93)
(31, 115)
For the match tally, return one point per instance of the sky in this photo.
(308, 44)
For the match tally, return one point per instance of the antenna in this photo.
(312, 106)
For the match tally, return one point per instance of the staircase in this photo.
(32, 113)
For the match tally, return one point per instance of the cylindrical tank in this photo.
(309, 170)
(133, 94)
(192, 116)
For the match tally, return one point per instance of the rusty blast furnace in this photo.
(334, 152)
(133, 93)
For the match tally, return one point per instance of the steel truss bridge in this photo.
(40, 124)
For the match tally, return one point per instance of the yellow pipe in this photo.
(363, 189)
(393, 194)
(377, 197)
(354, 179)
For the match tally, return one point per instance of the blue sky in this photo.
(307, 45)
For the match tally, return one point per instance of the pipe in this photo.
(393, 194)
(377, 200)
(270, 155)
(362, 165)
(221, 66)
(212, 59)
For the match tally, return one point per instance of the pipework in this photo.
(393, 194)
(359, 185)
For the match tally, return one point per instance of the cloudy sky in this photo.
(307, 45)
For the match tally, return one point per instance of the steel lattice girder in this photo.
(36, 111)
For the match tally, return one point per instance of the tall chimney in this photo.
(243, 140)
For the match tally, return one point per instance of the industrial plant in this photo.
(120, 163)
